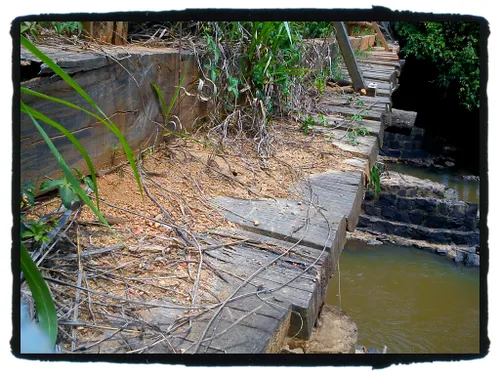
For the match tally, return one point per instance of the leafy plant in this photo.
(320, 81)
(356, 117)
(272, 58)
(27, 195)
(360, 54)
(36, 230)
(375, 180)
(67, 27)
(214, 55)
(105, 120)
(357, 30)
(359, 102)
(310, 122)
(354, 133)
(167, 111)
(29, 27)
(66, 190)
(313, 29)
(233, 86)
(60, 27)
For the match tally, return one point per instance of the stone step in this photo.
(426, 211)
(418, 232)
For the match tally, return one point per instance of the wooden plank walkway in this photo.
(272, 284)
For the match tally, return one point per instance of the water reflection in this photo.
(408, 299)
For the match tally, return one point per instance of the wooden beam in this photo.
(107, 32)
(349, 57)
(380, 36)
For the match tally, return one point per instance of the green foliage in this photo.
(30, 28)
(320, 81)
(213, 54)
(66, 28)
(453, 49)
(357, 30)
(375, 180)
(361, 54)
(359, 102)
(66, 190)
(354, 133)
(356, 117)
(311, 30)
(310, 122)
(272, 58)
(232, 87)
(27, 195)
(167, 111)
(46, 310)
(35, 229)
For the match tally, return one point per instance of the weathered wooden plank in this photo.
(319, 261)
(302, 295)
(340, 123)
(340, 192)
(367, 146)
(327, 107)
(126, 96)
(283, 219)
(389, 76)
(360, 102)
(399, 119)
(376, 61)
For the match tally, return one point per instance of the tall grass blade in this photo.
(161, 99)
(46, 310)
(72, 138)
(64, 167)
(287, 27)
(176, 93)
(126, 148)
(166, 111)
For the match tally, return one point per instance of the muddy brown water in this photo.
(468, 191)
(408, 299)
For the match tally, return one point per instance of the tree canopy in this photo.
(453, 49)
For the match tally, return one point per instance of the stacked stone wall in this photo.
(404, 146)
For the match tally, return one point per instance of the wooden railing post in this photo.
(348, 55)
(380, 36)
